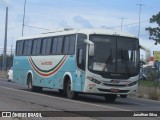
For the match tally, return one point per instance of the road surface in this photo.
(15, 97)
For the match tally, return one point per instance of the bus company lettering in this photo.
(46, 63)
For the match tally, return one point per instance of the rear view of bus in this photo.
(102, 62)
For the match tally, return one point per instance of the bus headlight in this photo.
(133, 83)
(93, 80)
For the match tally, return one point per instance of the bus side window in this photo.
(69, 45)
(34, 47)
(54, 45)
(29, 47)
(66, 45)
(48, 46)
(72, 44)
(19, 48)
(38, 47)
(59, 46)
(80, 56)
(44, 46)
(81, 51)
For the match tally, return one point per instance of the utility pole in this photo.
(24, 17)
(12, 47)
(121, 22)
(140, 7)
(5, 40)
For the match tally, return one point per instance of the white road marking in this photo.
(119, 109)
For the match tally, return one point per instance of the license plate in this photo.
(114, 90)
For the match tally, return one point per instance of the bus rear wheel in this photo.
(31, 87)
(110, 98)
(61, 91)
(69, 93)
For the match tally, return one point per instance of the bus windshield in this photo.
(114, 56)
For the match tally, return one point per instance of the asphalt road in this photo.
(15, 97)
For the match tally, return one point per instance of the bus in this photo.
(92, 61)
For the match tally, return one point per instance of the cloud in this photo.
(64, 24)
(82, 22)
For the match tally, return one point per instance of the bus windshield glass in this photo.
(114, 56)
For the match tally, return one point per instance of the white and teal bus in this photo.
(93, 61)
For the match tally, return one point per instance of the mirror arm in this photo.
(89, 42)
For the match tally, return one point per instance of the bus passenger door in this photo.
(79, 83)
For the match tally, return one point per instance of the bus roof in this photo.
(84, 31)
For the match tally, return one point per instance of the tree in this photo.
(155, 31)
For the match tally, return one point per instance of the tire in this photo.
(68, 92)
(31, 87)
(123, 96)
(61, 91)
(110, 98)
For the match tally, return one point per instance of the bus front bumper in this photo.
(104, 89)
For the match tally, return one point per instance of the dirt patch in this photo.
(3, 74)
(144, 92)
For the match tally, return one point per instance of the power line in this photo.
(127, 24)
(36, 27)
(11, 28)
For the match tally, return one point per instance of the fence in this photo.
(3, 74)
(9, 62)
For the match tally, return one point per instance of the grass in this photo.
(149, 88)
(147, 83)
(140, 95)
(154, 96)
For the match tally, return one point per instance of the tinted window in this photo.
(72, 44)
(48, 46)
(54, 45)
(44, 46)
(81, 51)
(19, 49)
(66, 45)
(27, 47)
(36, 47)
(59, 46)
(69, 44)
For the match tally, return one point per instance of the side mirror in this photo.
(148, 55)
(91, 47)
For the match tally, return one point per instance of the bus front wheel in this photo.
(69, 93)
(31, 87)
(123, 96)
(110, 98)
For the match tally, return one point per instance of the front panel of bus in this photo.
(114, 67)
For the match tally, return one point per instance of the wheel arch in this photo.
(29, 73)
(67, 76)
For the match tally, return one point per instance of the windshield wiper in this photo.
(126, 64)
(109, 59)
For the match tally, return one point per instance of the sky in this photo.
(55, 14)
